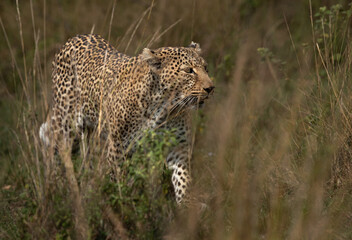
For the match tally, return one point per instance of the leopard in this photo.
(94, 86)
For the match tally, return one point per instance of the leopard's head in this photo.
(181, 73)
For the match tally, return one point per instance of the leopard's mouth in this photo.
(202, 98)
(200, 101)
(193, 101)
(201, 104)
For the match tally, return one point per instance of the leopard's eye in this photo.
(189, 70)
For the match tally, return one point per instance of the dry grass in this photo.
(272, 156)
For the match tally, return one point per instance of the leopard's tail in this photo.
(44, 131)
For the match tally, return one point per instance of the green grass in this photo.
(272, 153)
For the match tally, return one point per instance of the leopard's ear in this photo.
(196, 47)
(151, 58)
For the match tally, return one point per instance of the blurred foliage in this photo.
(330, 27)
(142, 193)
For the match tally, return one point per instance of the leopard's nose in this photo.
(209, 89)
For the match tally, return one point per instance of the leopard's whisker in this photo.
(179, 103)
(184, 103)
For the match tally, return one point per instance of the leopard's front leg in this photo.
(177, 160)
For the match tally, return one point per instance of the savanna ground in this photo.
(272, 149)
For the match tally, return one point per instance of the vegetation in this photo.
(272, 151)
